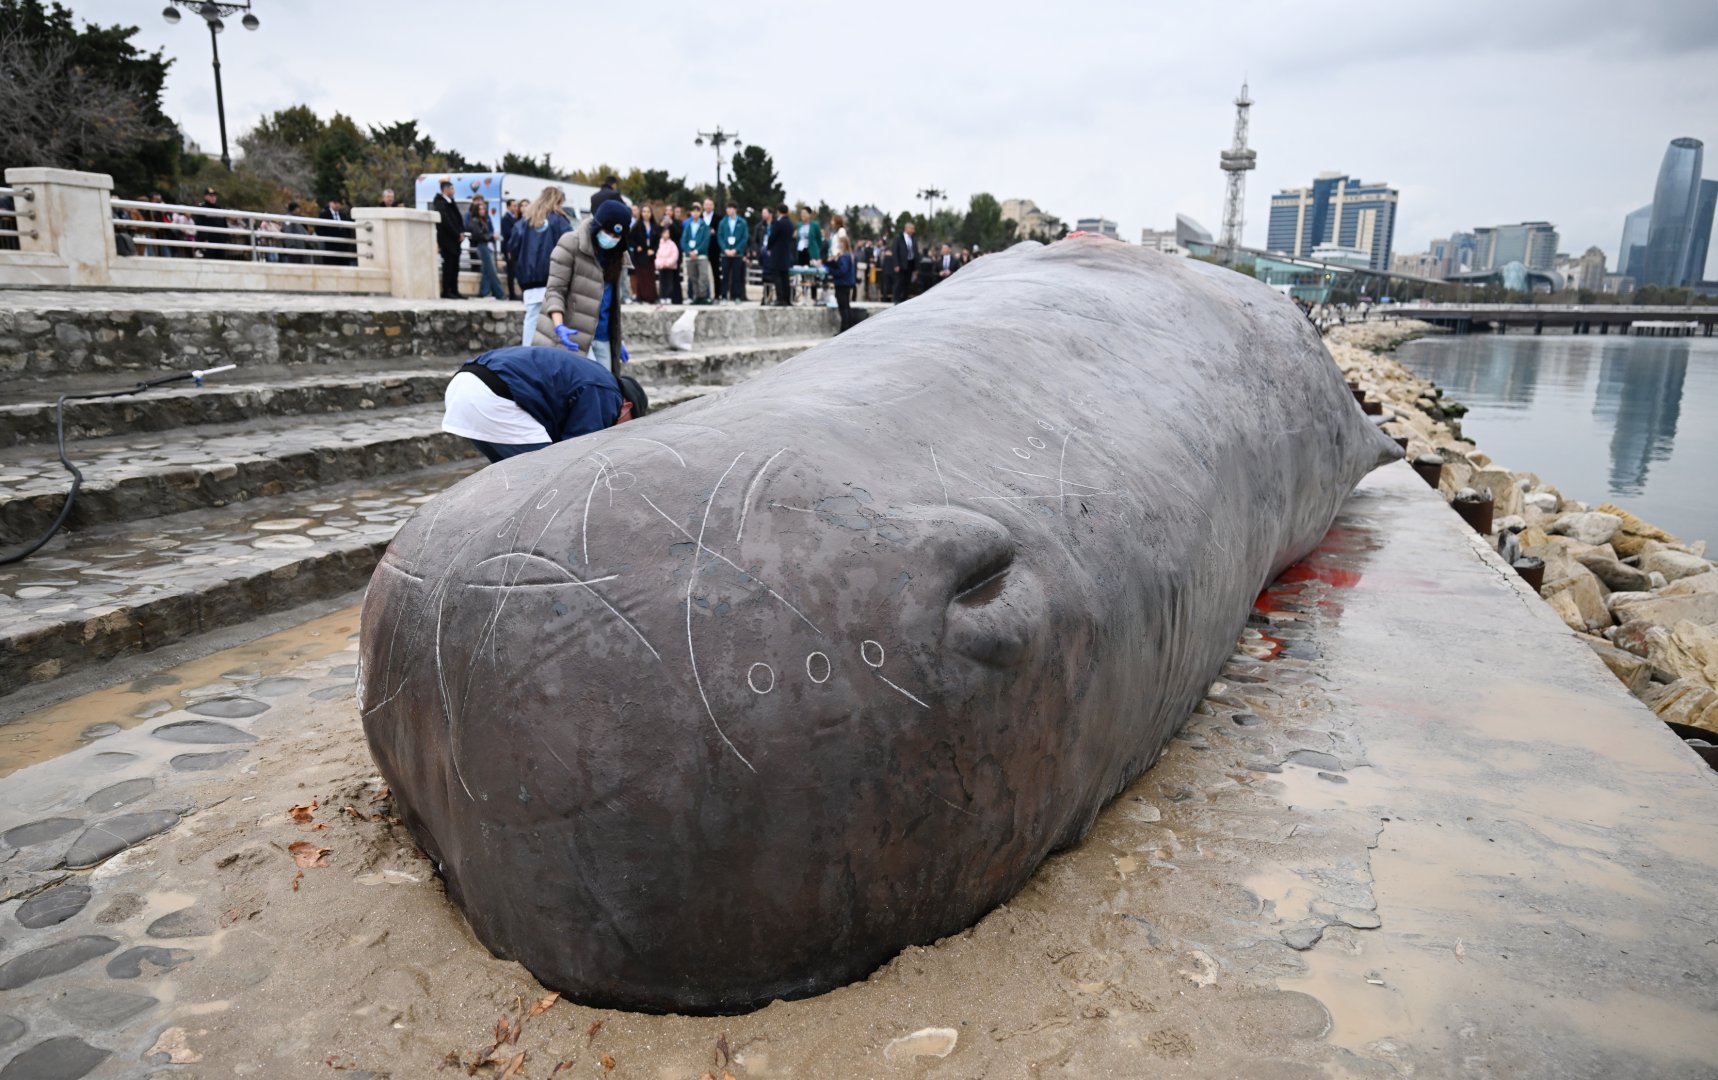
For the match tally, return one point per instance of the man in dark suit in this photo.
(905, 255)
(782, 252)
(947, 264)
(449, 227)
(606, 192)
(339, 254)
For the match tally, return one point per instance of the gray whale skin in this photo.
(734, 702)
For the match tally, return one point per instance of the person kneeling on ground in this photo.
(514, 400)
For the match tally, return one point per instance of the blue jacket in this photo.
(732, 233)
(528, 249)
(695, 237)
(567, 393)
(841, 270)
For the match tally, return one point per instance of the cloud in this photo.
(1479, 111)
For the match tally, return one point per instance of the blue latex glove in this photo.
(623, 357)
(567, 334)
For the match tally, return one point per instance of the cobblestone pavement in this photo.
(1373, 851)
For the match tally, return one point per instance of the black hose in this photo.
(78, 477)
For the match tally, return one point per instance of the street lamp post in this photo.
(931, 195)
(211, 13)
(718, 139)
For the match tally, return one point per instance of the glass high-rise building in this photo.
(1631, 254)
(1531, 243)
(1335, 211)
(1705, 208)
(1674, 203)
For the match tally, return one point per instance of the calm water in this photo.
(1632, 421)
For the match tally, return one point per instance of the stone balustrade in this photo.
(69, 243)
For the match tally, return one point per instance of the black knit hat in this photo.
(613, 216)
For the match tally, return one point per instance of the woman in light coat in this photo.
(581, 302)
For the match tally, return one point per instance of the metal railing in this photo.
(169, 230)
(16, 207)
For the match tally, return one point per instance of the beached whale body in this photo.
(734, 702)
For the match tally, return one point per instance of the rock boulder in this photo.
(1675, 565)
(1590, 527)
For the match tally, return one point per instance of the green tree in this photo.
(526, 165)
(752, 180)
(83, 98)
(297, 125)
(984, 224)
(655, 186)
(341, 144)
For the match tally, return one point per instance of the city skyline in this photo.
(1416, 97)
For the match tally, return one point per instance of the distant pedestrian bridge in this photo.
(1658, 320)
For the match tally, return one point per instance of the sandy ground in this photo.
(1222, 919)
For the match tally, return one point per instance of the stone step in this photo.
(27, 405)
(94, 595)
(127, 478)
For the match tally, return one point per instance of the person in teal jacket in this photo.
(810, 244)
(695, 248)
(732, 235)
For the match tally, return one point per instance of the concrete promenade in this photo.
(1415, 829)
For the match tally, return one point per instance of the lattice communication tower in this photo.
(1237, 161)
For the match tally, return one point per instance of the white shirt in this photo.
(476, 412)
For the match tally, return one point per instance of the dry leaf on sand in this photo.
(308, 855)
(542, 1004)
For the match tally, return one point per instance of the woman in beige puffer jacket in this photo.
(582, 270)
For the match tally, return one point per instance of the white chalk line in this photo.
(691, 584)
(1047, 476)
(939, 472)
(951, 805)
(898, 690)
(653, 442)
(1027, 498)
(729, 561)
(751, 489)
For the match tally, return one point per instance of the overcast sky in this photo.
(1480, 113)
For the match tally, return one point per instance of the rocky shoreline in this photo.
(1645, 601)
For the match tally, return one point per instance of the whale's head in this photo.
(699, 681)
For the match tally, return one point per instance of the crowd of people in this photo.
(212, 232)
(697, 254)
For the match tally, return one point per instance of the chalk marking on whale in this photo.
(653, 442)
(691, 584)
(746, 503)
(938, 470)
(701, 546)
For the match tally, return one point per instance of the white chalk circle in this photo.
(752, 678)
(549, 498)
(1036, 443)
(1046, 425)
(865, 648)
(1021, 454)
(812, 675)
(508, 524)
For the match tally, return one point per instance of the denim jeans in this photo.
(531, 311)
(490, 282)
(497, 451)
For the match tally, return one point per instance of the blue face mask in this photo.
(609, 241)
